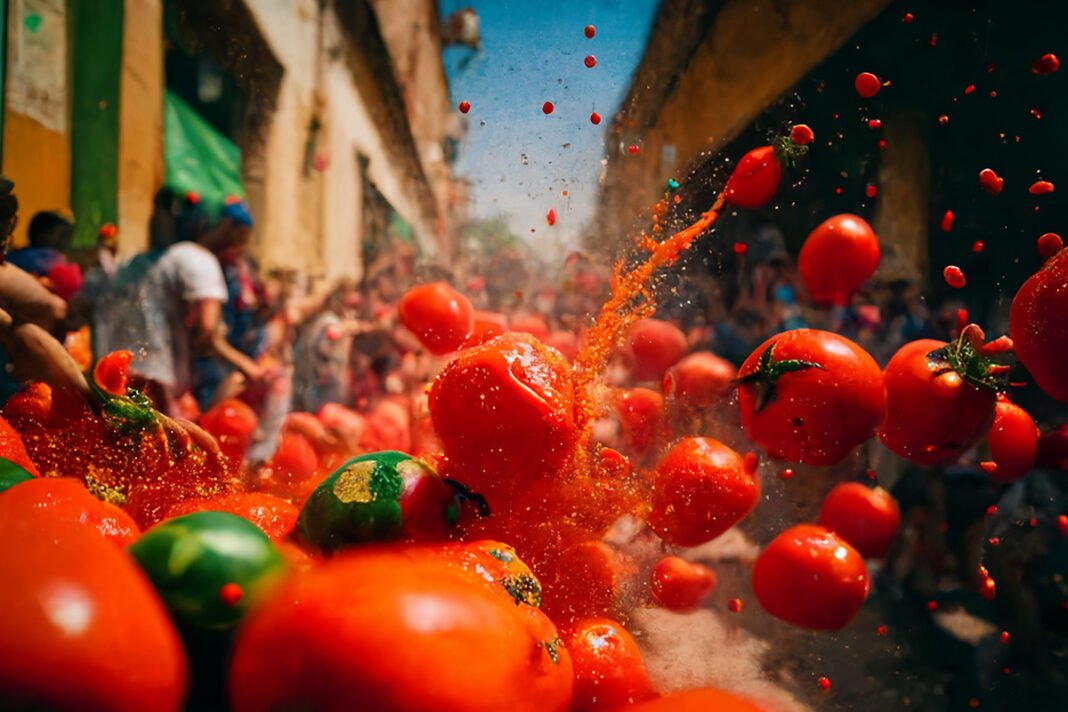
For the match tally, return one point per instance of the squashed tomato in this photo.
(866, 517)
(273, 515)
(13, 449)
(396, 630)
(837, 258)
(699, 380)
(233, 423)
(810, 396)
(609, 669)
(1037, 325)
(438, 315)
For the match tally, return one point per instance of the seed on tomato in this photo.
(867, 84)
(680, 585)
(868, 518)
(990, 181)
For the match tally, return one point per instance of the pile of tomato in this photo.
(148, 566)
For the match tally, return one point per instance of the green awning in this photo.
(399, 228)
(198, 158)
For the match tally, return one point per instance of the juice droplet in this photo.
(788, 474)
(1040, 187)
(464, 107)
(1062, 524)
(932, 606)
(871, 191)
(969, 89)
(954, 276)
(589, 31)
(547, 108)
(740, 248)
(990, 181)
(550, 217)
(882, 630)
(735, 605)
(907, 19)
(802, 135)
(988, 466)
(875, 124)
(632, 149)
(590, 61)
(947, 221)
(867, 84)
(595, 118)
(978, 246)
(1005, 637)
(991, 510)
(825, 684)
(1046, 64)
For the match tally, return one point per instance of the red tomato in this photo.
(505, 411)
(294, 464)
(810, 396)
(112, 373)
(81, 627)
(329, 637)
(699, 380)
(1013, 442)
(837, 258)
(699, 700)
(529, 323)
(486, 325)
(233, 424)
(438, 315)
(609, 669)
(810, 577)
(932, 413)
(13, 449)
(657, 346)
(755, 179)
(681, 585)
(700, 489)
(867, 84)
(274, 516)
(68, 499)
(641, 412)
(866, 517)
(1053, 448)
(1037, 325)
(586, 580)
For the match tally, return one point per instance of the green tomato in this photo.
(210, 568)
(11, 474)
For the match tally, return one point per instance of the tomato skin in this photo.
(505, 412)
(294, 464)
(816, 415)
(273, 515)
(810, 577)
(67, 498)
(699, 700)
(641, 413)
(680, 585)
(233, 423)
(657, 346)
(868, 518)
(13, 449)
(586, 579)
(81, 627)
(1013, 442)
(699, 380)
(838, 256)
(112, 372)
(609, 669)
(1036, 325)
(438, 315)
(465, 648)
(755, 179)
(701, 488)
(485, 326)
(931, 417)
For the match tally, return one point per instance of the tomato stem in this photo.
(769, 371)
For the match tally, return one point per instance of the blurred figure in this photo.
(49, 236)
(321, 355)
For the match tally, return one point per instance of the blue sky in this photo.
(533, 51)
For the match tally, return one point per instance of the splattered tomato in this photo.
(339, 626)
(657, 346)
(700, 489)
(112, 372)
(641, 413)
(755, 179)
(810, 396)
(939, 400)
(67, 498)
(680, 585)
(81, 627)
(438, 315)
(1037, 325)
(609, 669)
(837, 258)
(1013, 441)
(866, 517)
(699, 380)
(811, 577)
(700, 700)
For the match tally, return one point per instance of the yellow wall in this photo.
(38, 160)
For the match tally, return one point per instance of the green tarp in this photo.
(198, 158)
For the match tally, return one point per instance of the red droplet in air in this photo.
(990, 68)
(547, 108)
(991, 510)
(932, 605)
(978, 246)
(1046, 64)
(825, 683)
(740, 248)
(464, 107)
(1005, 637)
(934, 39)
(590, 61)
(882, 630)
(589, 31)
(871, 191)
(962, 319)
(632, 149)
(990, 181)
(595, 118)
(802, 135)
(882, 143)
(230, 594)
(988, 466)
(953, 276)
(875, 124)
(1049, 244)
(907, 18)
(867, 84)
(947, 221)
(550, 217)
(735, 605)
(788, 474)
(943, 119)
(969, 89)
(1062, 524)
(1040, 187)
(1037, 114)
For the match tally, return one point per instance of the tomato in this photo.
(81, 627)
(681, 585)
(505, 412)
(811, 577)
(700, 489)
(641, 413)
(210, 568)
(866, 517)
(837, 258)
(1036, 324)
(867, 84)
(657, 346)
(934, 413)
(1053, 448)
(586, 580)
(755, 179)
(293, 464)
(698, 700)
(345, 426)
(485, 326)
(13, 449)
(397, 630)
(810, 396)
(233, 424)
(498, 565)
(438, 315)
(1013, 441)
(699, 380)
(67, 498)
(529, 323)
(609, 669)
(273, 515)
(112, 373)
